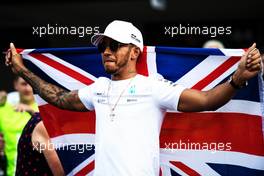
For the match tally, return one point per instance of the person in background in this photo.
(36, 155)
(3, 162)
(213, 44)
(13, 118)
(3, 97)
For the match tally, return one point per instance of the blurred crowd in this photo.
(21, 129)
(15, 111)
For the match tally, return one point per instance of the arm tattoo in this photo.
(54, 95)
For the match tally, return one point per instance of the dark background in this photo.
(17, 20)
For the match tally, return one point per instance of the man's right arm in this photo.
(54, 95)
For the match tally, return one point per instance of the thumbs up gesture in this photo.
(13, 59)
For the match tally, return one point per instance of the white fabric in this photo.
(129, 145)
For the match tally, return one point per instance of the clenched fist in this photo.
(249, 66)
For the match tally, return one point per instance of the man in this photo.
(13, 118)
(130, 107)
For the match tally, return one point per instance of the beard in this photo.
(111, 71)
(115, 67)
(111, 68)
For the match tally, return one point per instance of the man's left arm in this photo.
(194, 100)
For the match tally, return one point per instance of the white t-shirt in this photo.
(128, 144)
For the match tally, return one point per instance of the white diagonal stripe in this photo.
(232, 52)
(60, 77)
(221, 77)
(73, 67)
(81, 166)
(206, 156)
(201, 70)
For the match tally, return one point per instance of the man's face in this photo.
(24, 89)
(115, 61)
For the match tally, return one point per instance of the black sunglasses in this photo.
(113, 45)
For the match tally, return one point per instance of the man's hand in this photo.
(249, 66)
(53, 94)
(13, 59)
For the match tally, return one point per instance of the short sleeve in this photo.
(167, 93)
(86, 96)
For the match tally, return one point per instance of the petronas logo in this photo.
(132, 89)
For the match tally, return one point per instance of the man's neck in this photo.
(128, 75)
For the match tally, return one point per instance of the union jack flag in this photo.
(228, 141)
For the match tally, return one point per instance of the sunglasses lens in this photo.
(101, 47)
(113, 45)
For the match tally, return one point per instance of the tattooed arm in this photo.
(54, 95)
